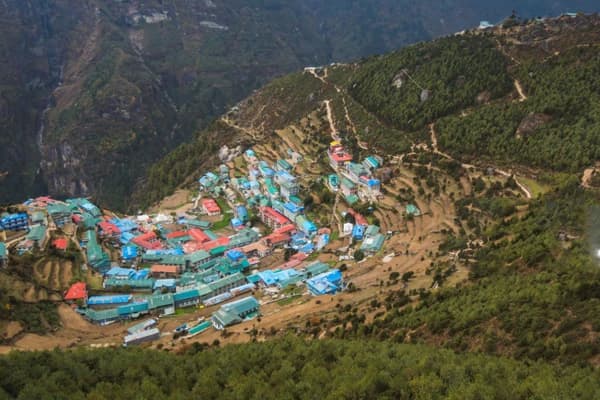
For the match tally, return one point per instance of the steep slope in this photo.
(98, 90)
(450, 116)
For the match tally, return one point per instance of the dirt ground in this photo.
(178, 202)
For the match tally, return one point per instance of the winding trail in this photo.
(519, 184)
(435, 149)
(522, 96)
(250, 132)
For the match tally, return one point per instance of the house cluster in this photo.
(355, 180)
(359, 229)
(319, 277)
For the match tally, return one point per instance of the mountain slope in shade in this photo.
(96, 91)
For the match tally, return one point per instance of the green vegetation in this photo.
(290, 369)
(554, 128)
(530, 296)
(454, 71)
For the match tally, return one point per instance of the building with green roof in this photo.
(371, 230)
(243, 237)
(187, 298)
(235, 312)
(316, 268)
(60, 213)
(97, 257)
(372, 244)
(197, 223)
(227, 283)
(228, 267)
(197, 259)
(3, 255)
(413, 210)
(351, 199)
(37, 235)
(160, 301)
(38, 218)
(102, 317)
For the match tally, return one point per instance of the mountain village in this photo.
(219, 252)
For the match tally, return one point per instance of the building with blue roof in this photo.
(358, 232)
(109, 300)
(120, 273)
(126, 237)
(305, 225)
(125, 225)
(141, 274)
(129, 253)
(329, 282)
(242, 213)
(292, 210)
(236, 223)
(14, 222)
(169, 284)
(265, 169)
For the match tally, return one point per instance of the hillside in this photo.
(94, 92)
(291, 369)
(484, 199)
(495, 154)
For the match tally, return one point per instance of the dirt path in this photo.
(334, 132)
(250, 132)
(434, 142)
(522, 96)
(586, 179)
(519, 184)
(313, 72)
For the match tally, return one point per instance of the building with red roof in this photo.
(108, 229)
(60, 243)
(358, 218)
(277, 239)
(199, 235)
(148, 241)
(191, 247)
(338, 156)
(272, 218)
(176, 234)
(213, 244)
(77, 291)
(165, 271)
(299, 256)
(210, 207)
(286, 229)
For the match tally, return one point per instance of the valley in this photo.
(427, 220)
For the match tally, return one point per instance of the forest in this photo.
(289, 368)
(555, 128)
